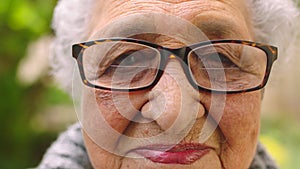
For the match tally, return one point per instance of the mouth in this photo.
(176, 154)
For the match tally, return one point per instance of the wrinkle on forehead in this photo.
(115, 8)
(218, 19)
(155, 24)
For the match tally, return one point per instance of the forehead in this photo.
(218, 19)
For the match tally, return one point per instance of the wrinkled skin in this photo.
(233, 142)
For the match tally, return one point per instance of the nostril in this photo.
(141, 119)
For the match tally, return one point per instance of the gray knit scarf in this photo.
(68, 152)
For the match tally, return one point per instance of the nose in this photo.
(173, 103)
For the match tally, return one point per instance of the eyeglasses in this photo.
(126, 64)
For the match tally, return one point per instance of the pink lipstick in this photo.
(179, 154)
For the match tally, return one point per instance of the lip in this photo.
(178, 154)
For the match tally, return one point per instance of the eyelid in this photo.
(122, 56)
(232, 54)
(220, 50)
(117, 51)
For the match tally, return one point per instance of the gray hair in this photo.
(274, 23)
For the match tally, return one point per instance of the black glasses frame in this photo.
(168, 53)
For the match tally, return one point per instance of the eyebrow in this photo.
(217, 28)
(126, 27)
(214, 28)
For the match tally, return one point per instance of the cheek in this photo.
(113, 108)
(107, 114)
(110, 112)
(240, 125)
(241, 118)
(105, 118)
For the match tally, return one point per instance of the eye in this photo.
(130, 58)
(133, 62)
(133, 68)
(126, 62)
(217, 60)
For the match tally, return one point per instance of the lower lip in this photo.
(181, 157)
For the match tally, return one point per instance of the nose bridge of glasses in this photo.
(180, 55)
(175, 53)
(172, 56)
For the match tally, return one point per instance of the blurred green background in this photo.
(33, 110)
(28, 96)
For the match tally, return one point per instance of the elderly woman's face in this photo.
(232, 143)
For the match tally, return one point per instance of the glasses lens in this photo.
(227, 66)
(121, 65)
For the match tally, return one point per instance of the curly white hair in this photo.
(274, 23)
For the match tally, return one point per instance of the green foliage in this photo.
(283, 139)
(22, 21)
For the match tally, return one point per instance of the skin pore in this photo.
(232, 144)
